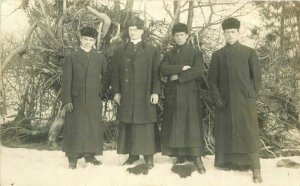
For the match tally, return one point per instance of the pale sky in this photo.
(17, 23)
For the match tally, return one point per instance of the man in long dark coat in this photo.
(136, 87)
(182, 129)
(85, 79)
(235, 80)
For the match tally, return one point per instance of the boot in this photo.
(92, 160)
(149, 161)
(189, 158)
(180, 160)
(131, 159)
(199, 165)
(244, 167)
(257, 176)
(72, 163)
(225, 167)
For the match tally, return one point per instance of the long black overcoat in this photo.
(182, 121)
(85, 78)
(235, 78)
(136, 76)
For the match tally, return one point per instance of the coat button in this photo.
(128, 59)
(126, 80)
(178, 51)
(126, 70)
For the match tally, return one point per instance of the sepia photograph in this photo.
(149, 92)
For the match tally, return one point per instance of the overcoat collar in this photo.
(129, 49)
(85, 57)
(233, 46)
(179, 48)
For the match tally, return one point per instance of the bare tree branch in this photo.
(44, 12)
(129, 4)
(60, 27)
(176, 7)
(117, 35)
(19, 49)
(167, 10)
(190, 15)
(23, 4)
(185, 3)
(41, 49)
(99, 35)
(200, 5)
(106, 20)
(50, 33)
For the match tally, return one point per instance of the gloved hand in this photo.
(220, 104)
(68, 107)
(154, 99)
(117, 98)
(186, 68)
(174, 77)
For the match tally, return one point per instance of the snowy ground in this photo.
(27, 167)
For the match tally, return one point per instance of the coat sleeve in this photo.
(166, 69)
(255, 71)
(115, 75)
(156, 84)
(213, 79)
(195, 71)
(67, 81)
(105, 74)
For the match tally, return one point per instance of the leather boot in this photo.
(131, 159)
(91, 159)
(243, 167)
(257, 176)
(180, 160)
(149, 161)
(199, 165)
(189, 158)
(225, 167)
(72, 163)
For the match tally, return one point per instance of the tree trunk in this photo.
(176, 10)
(129, 4)
(21, 109)
(117, 6)
(59, 4)
(297, 91)
(282, 26)
(190, 15)
(64, 5)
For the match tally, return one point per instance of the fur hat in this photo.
(180, 27)
(231, 23)
(135, 21)
(89, 32)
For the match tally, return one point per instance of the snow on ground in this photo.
(27, 167)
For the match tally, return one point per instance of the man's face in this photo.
(180, 37)
(135, 33)
(231, 35)
(87, 42)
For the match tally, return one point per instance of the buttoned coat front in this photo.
(136, 76)
(85, 78)
(182, 121)
(235, 79)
